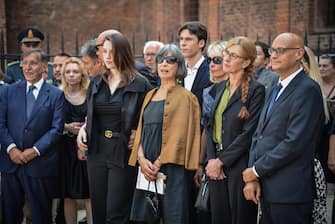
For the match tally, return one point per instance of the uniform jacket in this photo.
(14, 72)
(181, 129)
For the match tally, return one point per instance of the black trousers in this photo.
(278, 213)
(228, 204)
(111, 190)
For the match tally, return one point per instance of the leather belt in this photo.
(219, 147)
(111, 134)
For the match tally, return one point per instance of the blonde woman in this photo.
(73, 165)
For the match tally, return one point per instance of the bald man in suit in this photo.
(280, 173)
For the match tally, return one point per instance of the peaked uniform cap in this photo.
(30, 34)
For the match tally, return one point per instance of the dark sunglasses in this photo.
(97, 46)
(216, 60)
(169, 59)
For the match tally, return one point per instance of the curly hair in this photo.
(248, 53)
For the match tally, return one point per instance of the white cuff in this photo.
(10, 147)
(38, 152)
(255, 172)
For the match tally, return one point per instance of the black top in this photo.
(107, 109)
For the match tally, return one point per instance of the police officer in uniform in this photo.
(29, 38)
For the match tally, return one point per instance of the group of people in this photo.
(254, 119)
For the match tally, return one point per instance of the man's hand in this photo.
(249, 175)
(131, 139)
(29, 154)
(17, 157)
(82, 138)
(214, 169)
(252, 191)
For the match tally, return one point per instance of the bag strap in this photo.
(331, 91)
(155, 186)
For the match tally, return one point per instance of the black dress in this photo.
(174, 202)
(74, 177)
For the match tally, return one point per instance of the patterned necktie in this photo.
(30, 100)
(274, 95)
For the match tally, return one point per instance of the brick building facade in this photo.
(158, 19)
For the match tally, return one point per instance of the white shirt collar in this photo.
(289, 78)
(38, 84)
(197, 65)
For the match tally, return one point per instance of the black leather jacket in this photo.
(133, 96)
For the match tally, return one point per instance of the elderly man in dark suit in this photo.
(285, 141)
(31, 123)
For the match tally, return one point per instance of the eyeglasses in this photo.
(232, 55)
(216, 60)
(150, 55)
(97, 46)
(281, 50)
(30, 63)
(169, 59)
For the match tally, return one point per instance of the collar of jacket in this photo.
(131, 87)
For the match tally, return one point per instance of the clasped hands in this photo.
(149, 169)
(22, 157)
(252, 188)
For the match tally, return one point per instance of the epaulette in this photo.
(13, 63)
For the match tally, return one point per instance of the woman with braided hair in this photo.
(234, 117)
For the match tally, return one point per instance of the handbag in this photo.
(202, 201)
(151, 208)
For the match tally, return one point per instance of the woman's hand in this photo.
(72, 128)
(82, 138)
(81, 154)
(148, 169)
(198, 176)
(214, 169)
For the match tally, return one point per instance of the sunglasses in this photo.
(169, 59)
(216, 60)
(97, 46)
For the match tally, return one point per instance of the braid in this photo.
(247, 77)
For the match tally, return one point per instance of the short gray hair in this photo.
(174, 51)
(152, 43)
(89, 49)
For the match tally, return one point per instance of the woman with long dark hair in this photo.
(114, 103)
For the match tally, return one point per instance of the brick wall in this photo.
(153, 19)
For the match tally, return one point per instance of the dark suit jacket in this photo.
(43, 129)
(284, 143)
(201, 81)
(236, 133)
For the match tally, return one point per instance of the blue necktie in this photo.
(30, 100)
(273, 98)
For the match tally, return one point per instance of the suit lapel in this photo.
(198, 77)
(287, 92)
